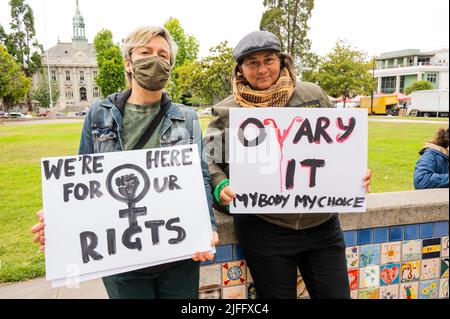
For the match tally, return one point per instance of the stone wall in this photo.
(397, 249)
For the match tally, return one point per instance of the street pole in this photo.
(373, 83)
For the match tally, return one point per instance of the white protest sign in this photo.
(115, 212)
(298, 160)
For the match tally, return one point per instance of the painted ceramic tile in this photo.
(410, 271)
(444, 267)
(210, 294)
(443, 288)
(352, 254)
(411, 250)
(233, 273)
(235, 292)
(431, 248)
(389, 292)
(429, 289)
(251, 292)
(369, 255)
(353, 278)
(389, 274)
(369, 294)
(249, 276)
(391, 252)
(302, 293)
(354, 294)
(369, 277)
(430, 269)
(409, 290)
(210, 277)
(444, 247)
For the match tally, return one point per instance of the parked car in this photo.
(43, 114)
(16, 115)
(3, 114)
(80, 113)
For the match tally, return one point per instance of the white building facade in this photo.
(395, 71)
(72, 69)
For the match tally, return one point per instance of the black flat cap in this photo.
(255, 42)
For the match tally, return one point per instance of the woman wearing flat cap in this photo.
(277, 246)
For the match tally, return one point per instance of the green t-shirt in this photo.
(136, 119)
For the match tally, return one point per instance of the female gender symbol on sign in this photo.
(127, 186)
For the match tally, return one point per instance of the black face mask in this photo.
(151, 73)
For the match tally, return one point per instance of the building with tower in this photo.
(72, 69)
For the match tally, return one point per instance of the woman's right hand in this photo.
(227, 195)
(38, 229)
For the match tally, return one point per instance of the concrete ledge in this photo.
(383, 209)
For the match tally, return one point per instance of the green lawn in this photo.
(393, 151)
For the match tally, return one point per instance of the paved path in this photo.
(41, 289)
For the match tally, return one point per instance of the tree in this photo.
(419, 86)
(14, 85)
(42, 93)
(111, 68)
(21, 43)
(209, 80)
(288, 20)
(344, 72)
(188, 48)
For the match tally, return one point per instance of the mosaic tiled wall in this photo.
(399, 262)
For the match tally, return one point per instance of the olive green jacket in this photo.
(306, 95)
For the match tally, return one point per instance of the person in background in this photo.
(431, 170)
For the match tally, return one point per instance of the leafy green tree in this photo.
(42, 93)
(288, 19)
(209, 80)
(14, 85)
(188, 48)
(21, 43)
(344, 72)
(111, 68)
(419, 86)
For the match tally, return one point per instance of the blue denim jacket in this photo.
(102, 132)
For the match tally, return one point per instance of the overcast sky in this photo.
(372, 26)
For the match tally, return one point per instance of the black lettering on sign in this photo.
(86, 161)
(152, 159)
(348, 130)
(89, 242)
(130, 232)
(82, 191)
(173, 182)
(304, 130)
(179, 230)
(257, 140)
(313, 164)
(111, 239)
(322, 124)
(54, 170)
(185, 156)
(154, 228)
(242, 198)
(290, 174)
(98, 167)
(164, 158)
(68, 168)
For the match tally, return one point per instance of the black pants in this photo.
(180, 282)
(273, 254)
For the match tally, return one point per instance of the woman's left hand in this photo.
(367, 179)
(204, 256)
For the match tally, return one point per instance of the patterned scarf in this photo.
(277, 95)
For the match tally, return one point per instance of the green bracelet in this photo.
(218, 189)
